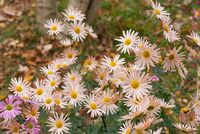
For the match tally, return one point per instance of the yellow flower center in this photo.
(57, 101)
(113, 64)
(195, 40)
(106, 99)
(150, 108)
(53, 83)
(171, 57)
(59, 124)
(137, 102)
(138, 131)
(9, 107)
(30, 125)
(73, 94)
(93, 106)
(166, 27)
(157, 11)
(33, 112)
(140, 45)
(19, 88)
(101, 76)
(15, 129)
(70, 55)
(128, 131)
(87, 62)
(71, 17)
(135, 84)
(73, 78)
(48, 101)
(54, 28)
(39, 91)
(185, 110)
(49, 72)
(127, 41)
(77, 30)
(58, 66)
(146, 54)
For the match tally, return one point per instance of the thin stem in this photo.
(104, 123)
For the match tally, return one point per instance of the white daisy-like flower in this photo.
(102, 76)
(90, 63)
(166, 105)
(159, 11)
(59, 63)
(49, 70)
(52, 82)
(91, 32)
(118, 77)
(169, 33)
(70, 56)
(19, 87)
(59, 124)
(93, 106)
(146, 123)
(128, 42)
(133, 67)
(72, 77)
(158, 131)
(72, 14)
(195, 37)
(126, 128)
(59, 99)
(154, 106)
(185, 127)
(147, 55)
(74, 93)
(78, 31)
(48, 102)
(66, 42)
(108, 103)
(113, 63)
(137, 85)
(54, 26)
(39, 91)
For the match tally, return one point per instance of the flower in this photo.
(52, 82)
(126, 128)
(59, 63)
(10, 108)
(102, 76)
(49, 70)
(154, 106)
(159, 12)
(195, 37)
(147, 55)
(70, 56)
(185, 127)
(13, 127)
(90, 63)
(137, 85)
(72, 14)
(154, 78)
(59, 124)
(19, 87)
(94, 107)
(32, 113)
(66, 42)
(54, 26)
(112, 64)
(78, 31)
(169, 34)
(72, 77)
(48, 102)
(118, 77)
(59, 99)
(128, 41)
(91, 32)
(146, 123)
(31, 127)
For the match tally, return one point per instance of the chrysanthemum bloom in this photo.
(169, 33)
(66, 42)
(52, 82)
(131, 115)
(147, 55)
(72, 77)
(107, 103)
(49, 70)
(39, 91)
(19, 87)
(13, 127)
(91, 32)
(70, 56)
(158, 131)
(113, 63)
(128, 42)
(32, 113)
(137, 85)
(59, 63)
(48, 102)
(195, 37)
(173, 61)
(59, 124)
(72, 14)
(166, 105)
(143, 125)
(54, 26)
(118, 77)
(154, 78)
(59, 99)
(90, 63)
(133, 67)
(185, 127)
(93, 106)
(159, 12)
(10, 108)
(31, 127)
(78, 31)
(127, 128)
(74, 93)
(154, 106)
(102, 76)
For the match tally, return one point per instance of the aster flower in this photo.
(19, 87)
(70, 56)
(127, 128)
(143, 125)
(72, 77)
(102, 76)
(48, 102)
(78, 31)
(174, 60)
(13, 127)
(147, 55)
(32, 112)
(112, 63)
(132, 115)
(59, 63)
(185, 127)
(91, 32)
(154, 78)
(66, 42)
(90, 63)
(164, 104)
(74, 93)
(128, 41)
(158, 131)
(10, 108)
(52, 82)
(31, 127)
(54, 26)
(195, 37)
(137, 85)
(59, 124)
(59, 99)
(49, 70)
(118, 77)
(159, 11)
(72, 14)
(94, 107)
(169, 33)
(154, 106)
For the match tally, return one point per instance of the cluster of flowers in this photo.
(117, 81)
